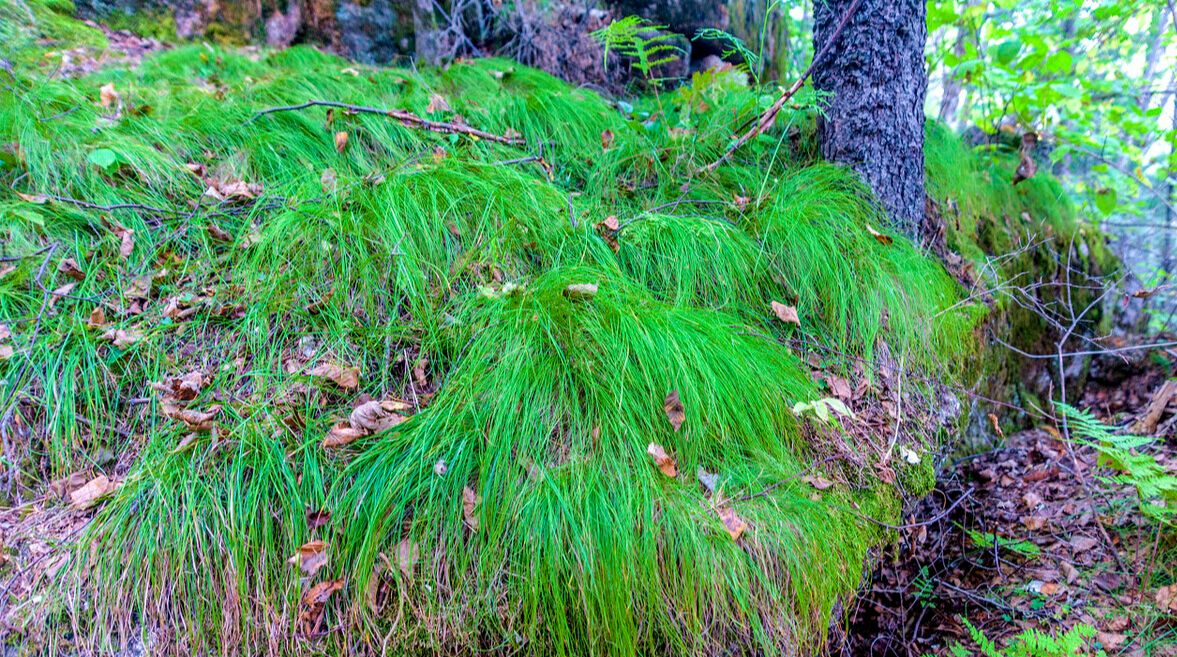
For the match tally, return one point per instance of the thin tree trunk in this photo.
(875, 119)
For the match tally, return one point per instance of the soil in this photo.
(1052, 565)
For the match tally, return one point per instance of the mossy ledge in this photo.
(440, 266)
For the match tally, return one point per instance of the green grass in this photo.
(433, 248)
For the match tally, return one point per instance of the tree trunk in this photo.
(875, 119)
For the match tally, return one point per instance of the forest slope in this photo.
(500, 371)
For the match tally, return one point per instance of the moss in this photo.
(152, 24)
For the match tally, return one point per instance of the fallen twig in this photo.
(766, 119)
(405, 117)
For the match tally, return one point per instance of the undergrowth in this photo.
(532, 311)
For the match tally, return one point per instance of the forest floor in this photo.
(1017, 538)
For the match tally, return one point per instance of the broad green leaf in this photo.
(1105, 200)
(103, 158)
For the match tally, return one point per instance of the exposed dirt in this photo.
(1052, 566)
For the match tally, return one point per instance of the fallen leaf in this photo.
(1110, 640)
(1034, 523)
(122, 338)
(787, 314)
(376, 416)
(1032, 500)
(316, 519)
(67, 485)
(328, 181)
(1166, 598)
(407, 555)
(674, 410)
(64, 290)
(581, 291)
(470, 501)
(606, 139)
(310, 557)
(38, 199)
(709, 480)
(5, 332)
(663, 460)
(344, 377)
(89, 494)
(342, 434)
(140, 287)
(70, 268)
(217, 233)
(6, 351)
(180, 388)
(314, 600)
(839, 386)
(108, 96)
(196, 420)
(818, 482)
(340, 141)
(1083, 544)
(741, 202)
(882, 238)
(1117, 624)
(734, 525)
(437, 104)
(1049, 588)
(1069, 571)
(440, 468)
(97, 318)
(185, 443)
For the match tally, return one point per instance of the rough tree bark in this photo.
(875, 119)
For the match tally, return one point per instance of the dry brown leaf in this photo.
(70, 268)
(186, 443)
(179, 309)
(38, 199)
(674, 410)
(733, 523)
(407, 555)
(818, 482)
(347, 378)
(97, 318)
(180, 388)
(1069, 571)
(838, 386)
(6, 351)
(741, 202)
(140, 287)
(64, 290)
(470, 502)
(194, 419)
(126, 239)
(606, 139)
(663, 460)
(316, 519)
(882, 238)
(93, 491)
(1034, 523)
(328, 181)
(340, 141)
(581, 291)
(437, 104)
(223, 190)
(1166, 598)
(321, 592)
(709, 480)
(787, 314)
(1110, 640)
(122, 338)
(108, 96)
(342, 434)
(376, 416)
(5, 332)
(66, 485)
(310, 557)
(219, 234)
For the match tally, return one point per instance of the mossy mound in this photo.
(534, 312)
